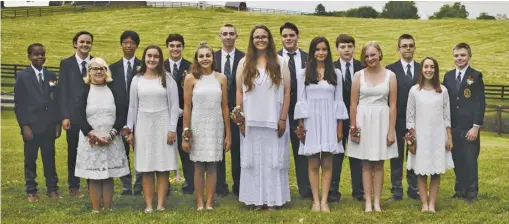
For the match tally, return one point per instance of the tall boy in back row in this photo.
(468, 103)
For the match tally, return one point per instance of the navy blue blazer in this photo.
(293, 85)
(36, 105)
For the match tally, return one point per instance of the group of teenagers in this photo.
(252, 104)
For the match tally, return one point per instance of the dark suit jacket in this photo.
(185, 65)
(357, 66)
(232, 93)
(119, 82)
(36, 105)
(70, 89)
(465, 112)
(404, 85)
(293, 89)
(120, 104)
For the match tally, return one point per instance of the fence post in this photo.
(499, 119)
(502, 95)
(28, 14)
(40, 11)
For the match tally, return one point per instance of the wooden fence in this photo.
(12, 13)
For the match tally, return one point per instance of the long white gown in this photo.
(428, 112)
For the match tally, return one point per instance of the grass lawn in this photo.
(436, 38)
(492, 207)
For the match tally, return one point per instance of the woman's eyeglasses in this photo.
(96, 69)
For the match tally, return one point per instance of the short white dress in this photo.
(321, 105)
(428, 112)
(373, 116)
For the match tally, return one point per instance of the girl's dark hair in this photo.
(436, 77)
(311, 73)
(159, 68)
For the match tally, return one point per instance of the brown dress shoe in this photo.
(75, 193)
(54, 196)
(32, 197)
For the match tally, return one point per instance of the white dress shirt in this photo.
(412, 66)
(463, 71)
(79, 60)
(37, 73)
(124, 61)
(172, 63)
(223, 60)
(343, 68)
(296, 58)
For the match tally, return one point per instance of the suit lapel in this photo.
(417, 69)
(303, 58)
(465, 77)
(218, 58)
(236, 62)
(35, 80)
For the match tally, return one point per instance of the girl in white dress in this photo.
(101, 154)
(320, 110)
(153, 115)
(429, 118)
(206, 115)
(373, 115)
(263, 94)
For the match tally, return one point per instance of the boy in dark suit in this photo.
(407, 72)
(122, 73)
(345, 44)
(468, 103)
(37, 113)
(176, 65)
(226, 61)
(72, 71)
(296, 59)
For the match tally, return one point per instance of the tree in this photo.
(457, 10)
(485, 16)
(400, 10)
(367, 12)
(320, 10)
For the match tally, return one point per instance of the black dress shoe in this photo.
(138, 193)
(471, 198)
(333, 197)
(126, 193)
(222, 192)
(396, 198)
(458, 196)
(359, 198)
(414, 196)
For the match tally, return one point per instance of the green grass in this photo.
(436, 38)
(492, 207)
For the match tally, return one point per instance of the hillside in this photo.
(489, 39)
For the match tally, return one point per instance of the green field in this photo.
(436, 38)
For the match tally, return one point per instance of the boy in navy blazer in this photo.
(38, 117)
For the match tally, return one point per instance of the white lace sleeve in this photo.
(301, 107)
(410, 109)
(446, 107)
(172, 96)
(132, 113)
(341, 113)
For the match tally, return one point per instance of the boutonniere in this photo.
(470, 80)
(52, 83)
(138, 68)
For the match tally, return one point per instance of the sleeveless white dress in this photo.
(207, 121)
(101, 162)
(428, 113)
(373, 121)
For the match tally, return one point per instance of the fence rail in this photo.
(496, 119)
(12, 13)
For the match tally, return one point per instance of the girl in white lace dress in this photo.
(320, 110)
(206, 115)
(153, 115)
(373, 114)
(429, 116)
(101, 154)
(263, 93)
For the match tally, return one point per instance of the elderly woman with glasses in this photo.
(101, 155)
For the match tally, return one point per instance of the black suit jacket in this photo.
(293, 89)
(185, 65)
(120, 105)
(465, 112)
(36, 105)
(232, 93)
(70, 89)
(347, 90)
(404, 86)
(119, 82)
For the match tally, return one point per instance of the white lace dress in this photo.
(207, 121)
(101, 162)
(428, 112)
(264, 157)
(373, 121)
(320, 105)
(153, 112)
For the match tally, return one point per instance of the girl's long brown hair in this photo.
(159, 68)
(272, 68)
(435, 81)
